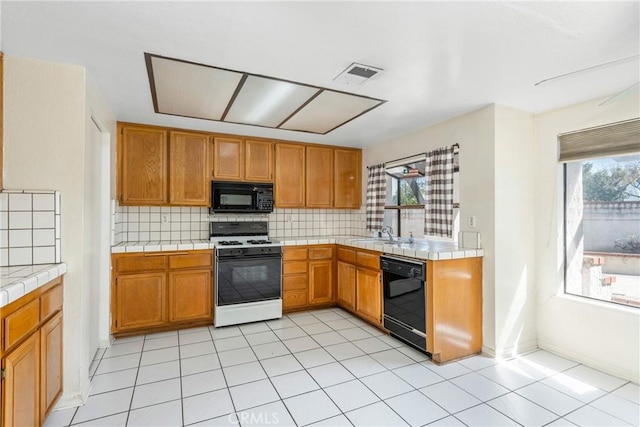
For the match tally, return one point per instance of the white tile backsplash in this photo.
(29, 227)
(20, 220)
(20, 202)
(140, 224)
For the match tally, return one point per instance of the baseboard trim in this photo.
(73, 401)
(598, 364)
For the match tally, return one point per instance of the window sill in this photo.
(599, 304)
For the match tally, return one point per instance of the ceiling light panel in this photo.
(200, 91)
(267, 102)
(328, 111)
(192, 90)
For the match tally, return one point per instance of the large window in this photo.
(602, 229)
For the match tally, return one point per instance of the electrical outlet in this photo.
(472, 221)
(164, 219)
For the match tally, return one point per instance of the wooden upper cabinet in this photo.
(347, 177)
(258, 161)
(228, 155)
(144, 172)
(289, 187)
(189, 183)
(319, 177)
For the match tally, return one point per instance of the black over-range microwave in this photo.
(241, 197)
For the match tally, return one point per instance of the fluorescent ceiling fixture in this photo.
(200, 91)
(328, 111)
(268, 102)
(186, 89)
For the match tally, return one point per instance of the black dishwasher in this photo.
(404, 299)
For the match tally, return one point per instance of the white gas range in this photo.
(247, 273)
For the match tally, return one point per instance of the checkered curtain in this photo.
(439, 201)
(376, 194)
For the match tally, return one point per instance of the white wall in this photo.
(514, 231)
(599, 334)
(44, 145)
(475, 134)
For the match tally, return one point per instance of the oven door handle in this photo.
(236, 257)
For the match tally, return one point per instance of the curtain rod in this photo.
(456, 146)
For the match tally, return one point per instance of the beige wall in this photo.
(475, 132)
(45, 123)
(599, 334)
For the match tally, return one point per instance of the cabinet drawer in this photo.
(347, 255)
(51, 302)
(294, 254)
(294, 299)
(20, 323)
(369, 260)
(320, 253)
(295, 267)
(203, 259)
(290, 283)
(139, 263)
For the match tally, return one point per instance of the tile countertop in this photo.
(16, 282)
(422, 248)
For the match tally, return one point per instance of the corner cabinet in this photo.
(161, 290)
(360, 283)
(157, 167)
(31, 351)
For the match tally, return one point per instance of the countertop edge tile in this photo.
(23, 285)
(426, 249)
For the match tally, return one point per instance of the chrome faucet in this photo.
(389, 231)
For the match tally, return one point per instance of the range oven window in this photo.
(246, 279)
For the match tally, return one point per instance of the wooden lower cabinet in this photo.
(359, 283)
(346, 285)
(21, 406)
(369, 294)
(454, 308)
(308, 277)
(190, 295)
(50, 364)
(140, 301)
(32, 363)
(161, 290)
(320, 282)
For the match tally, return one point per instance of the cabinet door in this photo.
(143, 172)
(319, 177)
(21, 385)
(347, 176)
(346, 285)
(290, 176)
(228, 156)
(258, 161)
(369, 294)
(320, 282)
(140, 301)
(50, 363)
(190, 295)
(189, 182)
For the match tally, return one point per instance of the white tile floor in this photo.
(329, 368)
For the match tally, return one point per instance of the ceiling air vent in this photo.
(356, 74)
